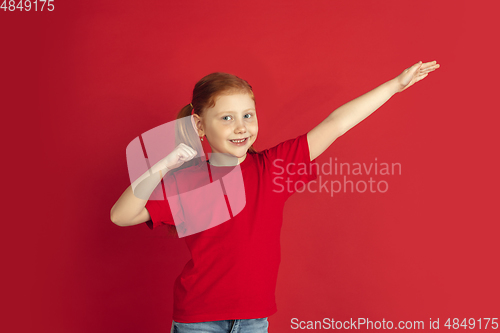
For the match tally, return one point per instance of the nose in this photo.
(240, 127)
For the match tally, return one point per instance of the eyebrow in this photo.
(234, 111)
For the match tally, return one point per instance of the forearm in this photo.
(352, 113)
(134, 198)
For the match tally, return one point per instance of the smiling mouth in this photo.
(239, 140)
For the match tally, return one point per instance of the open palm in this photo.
(415, 73)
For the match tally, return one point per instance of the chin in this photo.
(242, 155)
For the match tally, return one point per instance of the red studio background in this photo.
(80, 82)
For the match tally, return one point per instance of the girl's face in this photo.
(233, 117)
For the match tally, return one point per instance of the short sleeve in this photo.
(158, 206)
(291, 165)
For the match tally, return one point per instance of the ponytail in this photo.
(185, 133)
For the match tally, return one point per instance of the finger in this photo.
(431, 66)
(187, 155)
(191, 152)
(421, 77)
(184, 151)
(182, 155)
(425, 67)
(184, 148)
(430, 63)
(427, 71)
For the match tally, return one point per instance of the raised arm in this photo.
(352, 113)
(130, 209)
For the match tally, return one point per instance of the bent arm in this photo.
(129, 209)
(347, 116)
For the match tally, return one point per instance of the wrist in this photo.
(393, 86)
(160, 169)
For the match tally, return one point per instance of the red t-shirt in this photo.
(234, 265)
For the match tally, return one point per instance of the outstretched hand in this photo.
(415, 73)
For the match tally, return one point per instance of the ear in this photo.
(197, 125)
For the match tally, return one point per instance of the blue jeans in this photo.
(259, 325)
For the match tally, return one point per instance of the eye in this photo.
(248, 114)
(224, 118)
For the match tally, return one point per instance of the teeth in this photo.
(238, 141)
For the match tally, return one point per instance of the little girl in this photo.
(229, 283)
